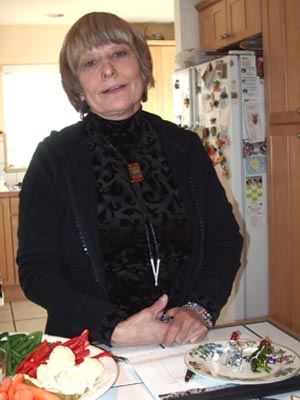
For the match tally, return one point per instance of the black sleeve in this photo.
(223, 241)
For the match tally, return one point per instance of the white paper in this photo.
(162, 369)
(253, 124)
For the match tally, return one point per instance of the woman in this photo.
(124, 228)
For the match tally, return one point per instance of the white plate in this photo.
(109, 376)
(208, 360)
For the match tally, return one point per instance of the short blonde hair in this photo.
(95, 29)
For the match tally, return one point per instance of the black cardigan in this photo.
(59, 255)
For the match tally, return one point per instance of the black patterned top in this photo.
(130, 281)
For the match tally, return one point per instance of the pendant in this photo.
(135, 172)
(155, 270)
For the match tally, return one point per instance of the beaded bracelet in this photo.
(204, 314)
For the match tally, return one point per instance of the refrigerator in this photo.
(223, 102)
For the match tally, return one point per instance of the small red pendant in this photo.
(135, 172)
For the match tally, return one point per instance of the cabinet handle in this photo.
(225, 36)
(298, 135)
(298, 110)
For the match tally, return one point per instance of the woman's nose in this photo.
(107, 70)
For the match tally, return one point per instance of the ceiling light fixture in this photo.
(55, 15)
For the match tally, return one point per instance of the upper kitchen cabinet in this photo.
(226, 22)
(160, 98)
(212, 24)
(281, 33)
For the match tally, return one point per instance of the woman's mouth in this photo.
(114, 89)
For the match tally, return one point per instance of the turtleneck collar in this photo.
(124, 135)
(131, 124)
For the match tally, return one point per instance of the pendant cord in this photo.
(149, 228)
(150, 233)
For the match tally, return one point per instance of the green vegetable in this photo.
(18, 346)
(3, 335)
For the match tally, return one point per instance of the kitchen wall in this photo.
(186, 24)
(40, 44)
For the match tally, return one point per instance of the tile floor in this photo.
(22, 316)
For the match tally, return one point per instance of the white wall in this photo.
(2, 173)
(186, 24)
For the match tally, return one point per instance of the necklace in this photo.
(135, 172)
(150, 233)
(136, 177)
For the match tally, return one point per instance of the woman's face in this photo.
(111, 80)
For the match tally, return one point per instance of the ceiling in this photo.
(37, 12)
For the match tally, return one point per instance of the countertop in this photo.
(131, 384)
(8, 191)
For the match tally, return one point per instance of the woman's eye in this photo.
(120, 53)
(90, 63)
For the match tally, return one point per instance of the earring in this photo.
(84, 109)
(81, 113)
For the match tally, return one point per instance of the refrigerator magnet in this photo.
(216, 85)
(221, 69)
(208, 75)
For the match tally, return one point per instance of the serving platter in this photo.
(107, 379)
(111, 370)
(209, 360)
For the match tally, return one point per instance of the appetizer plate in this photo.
(107, 379)
(209, 360)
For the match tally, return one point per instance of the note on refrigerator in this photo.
(253, 124)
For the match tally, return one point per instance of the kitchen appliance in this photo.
(223, 102)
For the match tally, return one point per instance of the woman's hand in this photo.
(143, 327)
(186, 327)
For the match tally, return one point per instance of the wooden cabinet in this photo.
(160, 98)
(225, 22)
(212, 26)
(281, 33)
(14, 220)
(284, 224)
(9, 204)
(281, 37)
(6, 251)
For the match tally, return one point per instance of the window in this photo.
(34, 105)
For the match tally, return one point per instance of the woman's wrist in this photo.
(202, 312)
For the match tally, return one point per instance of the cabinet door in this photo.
(281, 33)
(160, 98)
(284, 224)
(6, 251)
(153, 104)
(212, 26)
(243, 19)
(226, 22)
(168, 55)
(14, 220)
